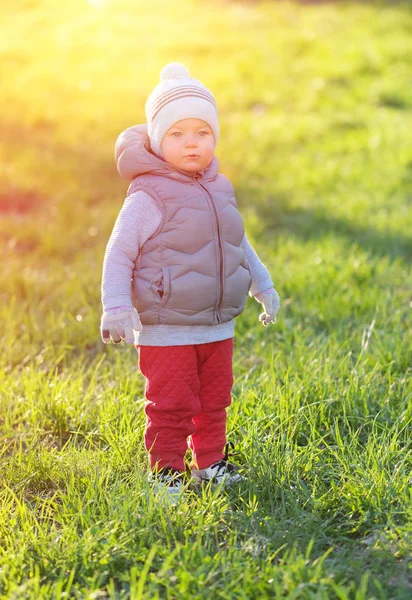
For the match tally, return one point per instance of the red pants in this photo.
(188, 389)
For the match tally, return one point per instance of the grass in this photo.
(315, 112)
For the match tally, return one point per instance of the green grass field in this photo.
(315, 105)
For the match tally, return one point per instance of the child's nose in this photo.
(190, 140)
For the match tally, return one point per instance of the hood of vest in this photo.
(134, 157)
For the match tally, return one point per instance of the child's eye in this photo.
(176, 134)
(203, 133)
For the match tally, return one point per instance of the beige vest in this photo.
(193, 270)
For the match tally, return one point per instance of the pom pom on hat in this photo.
(174, 71)
(177, 97)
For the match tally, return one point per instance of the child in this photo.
(177, 271)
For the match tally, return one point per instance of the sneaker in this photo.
(221, 472)
(168, 482)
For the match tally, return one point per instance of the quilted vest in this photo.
(192, 271)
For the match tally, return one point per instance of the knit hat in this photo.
(175, 98)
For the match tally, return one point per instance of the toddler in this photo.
(176, 273)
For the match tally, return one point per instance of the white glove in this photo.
(271, 302)
(119, 326)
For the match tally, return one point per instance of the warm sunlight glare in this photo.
(97, 3)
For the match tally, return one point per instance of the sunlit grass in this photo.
(315, 114)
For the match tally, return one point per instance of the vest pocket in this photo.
(161, 286)
(166, 286)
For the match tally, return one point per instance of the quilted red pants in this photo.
(188, 389)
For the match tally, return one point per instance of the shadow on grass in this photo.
(315, 225)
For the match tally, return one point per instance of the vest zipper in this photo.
(219, 235)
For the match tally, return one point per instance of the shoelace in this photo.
(223, 463)
(170, 476)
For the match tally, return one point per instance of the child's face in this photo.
(189, 145)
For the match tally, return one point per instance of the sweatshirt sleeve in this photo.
(261, 279)
(137, 221)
